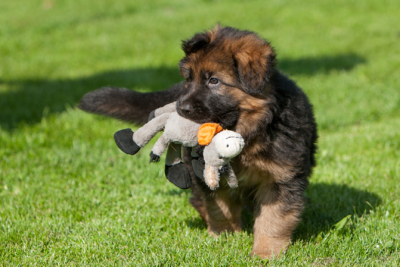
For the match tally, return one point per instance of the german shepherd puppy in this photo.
(231, 79)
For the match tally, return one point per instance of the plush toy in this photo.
(221, 146)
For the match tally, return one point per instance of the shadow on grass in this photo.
(323, 64)
(27, 101)
(196, 223)
(327, 204)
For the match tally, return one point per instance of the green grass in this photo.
(68, 196)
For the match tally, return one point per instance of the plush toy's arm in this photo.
(169, 108)
(130, 142)
(143, 135)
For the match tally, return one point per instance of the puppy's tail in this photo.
(128, 105)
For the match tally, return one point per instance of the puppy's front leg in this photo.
(275, 220)
(223, 213)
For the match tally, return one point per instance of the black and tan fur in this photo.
(231, 79)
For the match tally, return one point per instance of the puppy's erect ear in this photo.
(195, 43)
(199, 40)
(255, 60)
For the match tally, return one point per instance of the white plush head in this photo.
(228, 144)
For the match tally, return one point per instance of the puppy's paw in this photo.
(270, 247)
(124, 141)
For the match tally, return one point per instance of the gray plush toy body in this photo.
(178, 132)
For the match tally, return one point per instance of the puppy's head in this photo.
(224, 68)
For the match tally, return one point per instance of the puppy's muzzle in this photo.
(186, 109)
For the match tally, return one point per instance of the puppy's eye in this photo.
(213, 81)
(227, 145)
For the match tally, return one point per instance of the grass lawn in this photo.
(68, 196)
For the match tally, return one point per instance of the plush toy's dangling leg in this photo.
(175, 170)
(124, 141)
(211, 176)
(232, 180)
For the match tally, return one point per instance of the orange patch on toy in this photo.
(206, 133)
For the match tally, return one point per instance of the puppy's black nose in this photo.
(186, 108)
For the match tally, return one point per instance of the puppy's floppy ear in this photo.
(195, 43)
(255, 62)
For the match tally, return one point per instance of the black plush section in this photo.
(124, 141)
(198, 166)
(154, 157)
(179, 175)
